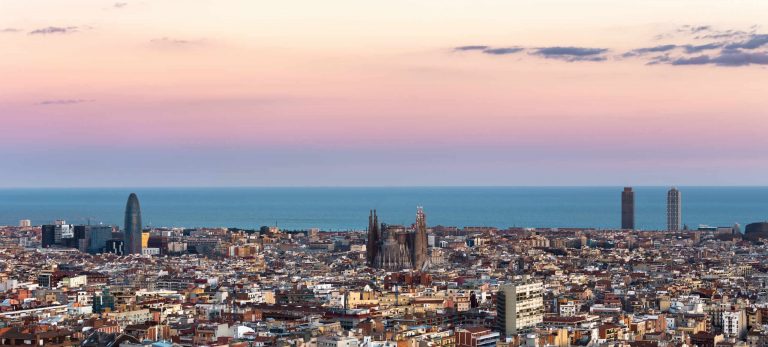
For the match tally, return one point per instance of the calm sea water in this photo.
(347, 208)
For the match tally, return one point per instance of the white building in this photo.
(519, 306)
(568, 309)
(735, 323)
(74, 281)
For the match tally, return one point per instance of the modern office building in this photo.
(115, 247)
(674, 208)
(57, 234)
(48, 237)
(628, 209)
(519, 307)
(104, 301)
(132, 231)
(99, 234)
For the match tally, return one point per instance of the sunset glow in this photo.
(537, 92)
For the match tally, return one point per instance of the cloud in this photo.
(726, 58)
(120, 4)
(731, 48)
(697, 60)
(54, 30)
(9, 30)
(171, 42)
(740, 58)
(659, 59)
(723, 35)
(753, 42)
(645, 50)
(490, 50)
(572, 54)
(503, 50)
(698, 48)
(471, 48)
(63, 102)
(694, 29)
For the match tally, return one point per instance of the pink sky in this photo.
(226, 92)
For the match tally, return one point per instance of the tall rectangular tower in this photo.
(628, 209)
(674, 207)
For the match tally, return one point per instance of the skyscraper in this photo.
(132, 231)
(674, 205)
(628, 209)
(100, 234)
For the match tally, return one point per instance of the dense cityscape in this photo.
(415, 285)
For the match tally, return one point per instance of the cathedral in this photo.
(394, 247)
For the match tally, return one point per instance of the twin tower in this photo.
(394, 247)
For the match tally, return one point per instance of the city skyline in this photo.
(534, 173)
(492, 93)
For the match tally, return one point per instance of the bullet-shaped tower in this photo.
(132, 230)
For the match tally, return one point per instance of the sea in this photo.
(339, 209)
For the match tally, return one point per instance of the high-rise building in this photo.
(145, 239)
(132, 230)
(519, 307)
(100, 234)
(25, 223)
(115, 247)
(60, 233)
(674, 204)
(48, 237)
(628, 209)
(81, 238)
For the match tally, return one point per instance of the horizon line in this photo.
(374, 186)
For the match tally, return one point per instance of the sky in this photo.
(97, 93)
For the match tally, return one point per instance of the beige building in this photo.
(519, 307)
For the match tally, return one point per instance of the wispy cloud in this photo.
(731, 48)
(10, 30)
(753, 42)
(690, 49)
(503, 50)
(120, 4)
(572, 54)
(490, 50)
(471, 48)
(694, 29)
(54, 30)
(63, 102)
(726, 58)
(173, 42)
(646, 50)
